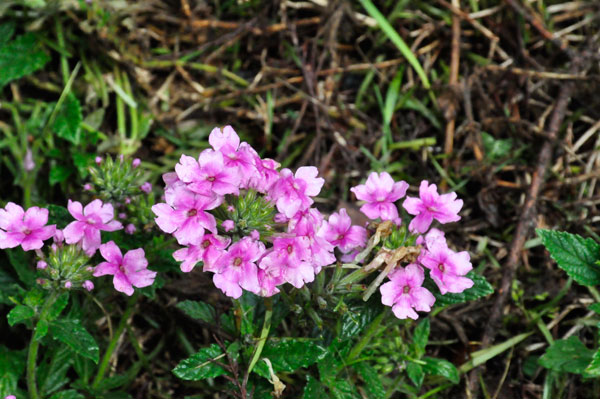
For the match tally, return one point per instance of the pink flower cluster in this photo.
(25, 228)
(404, 291)
(291, 248)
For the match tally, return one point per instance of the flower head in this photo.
(431, 205)
(447, 268)
(25, 228)
(338, 230)
(236, 268)
(210, 248)
(89, 221)
(380, 192)
(404, 292)
(129, 271)
(292, 192)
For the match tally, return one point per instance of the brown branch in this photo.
(527, 218)
(278, 27)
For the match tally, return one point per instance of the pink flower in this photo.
(292, 193)
(444, 208)
(237, 268)
(208, 251)
(380, 192)
(293, 256)
(130, 229)
(89, 221)
(129, 271)
(447, 267)
(309, 224)
(25, 228)
(28, 162)
(228, 225)
(209, 174)
(88, 285)
(236, 155)
(266, 175)
(146, 187)
(41, 264)
(270, 275)
(98, 160)
(10, 397)
(404, 292)
(68, 284)
(340, 232)
(136, 162)
(88, 187)
(184, 215)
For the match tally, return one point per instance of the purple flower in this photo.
(130, 228)
(89, 221)
(209, 174)
(444, 208)
(404, 292)
(41, 265)
(146, 187)
(184, 214)
(228, 225)
(340, 232)
(292, 193)
(136, 162)
(68, 284)
(447, 267)
(88, 285)
(25, 228)
(98, 160)
(380, 192)
(237, 268)
(129, 271)
(88, 187)
(208, 251)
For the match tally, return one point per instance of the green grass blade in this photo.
(396, 39)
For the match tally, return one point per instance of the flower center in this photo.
(340, 237)
(27, 232)
(441, 267)
(122, 269)
(211, 178)
(192, 212)
(406, 289)
(205, 244)
(237, 261)
(290, 249)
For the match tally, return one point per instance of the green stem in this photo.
(263, 335)
(34, 346)
(364, 341)
(113, 342)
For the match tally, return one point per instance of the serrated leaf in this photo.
(41, 329)
(420, 338)
(19, 313)
(21, 57)
(57, 307)
(289, 354)
(343, 389)
(59, 173)
(593, 369)
(68, 120)
(567, 355)
(435, 366)
(358, 316)
(373, 383)
(201, 364)
(337, 351)
(198, 310)
(34, 298)
(313, 389)
(68, 394)
(12, 366)
(415, 373)
(574, 254)
(479, 289)
(74, 335)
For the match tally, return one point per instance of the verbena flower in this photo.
(237, 268)
(405, 294)
(236, 155)
(291, 192)
(380, 192)
(447, 268)
(209, 250)
(338, 230)
(431, 205)
(25, 228)
(208, 175)
(88, 224)
(184, 215)
(129, 271)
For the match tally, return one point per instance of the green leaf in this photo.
(415, 373)
(59, 173)
(59, 215)
(198, 310)
(200, 365)
(20, 313)
(21, 57)
(57, 307)
(52, 372)
(358, 316)
(567, 355)
(41, 329)
(313, 389)
(34, 298)
(69, 394)
(593, 369)
(74, 335)
(434, 366)
(574, 254)
(420, 338)
(334, 358)
(289, 354)
(22, 263)
(479, 289)
(495, 148)
(373, 383)
(12, 365)
(595, 307)
(343, 389)
(68, 119)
